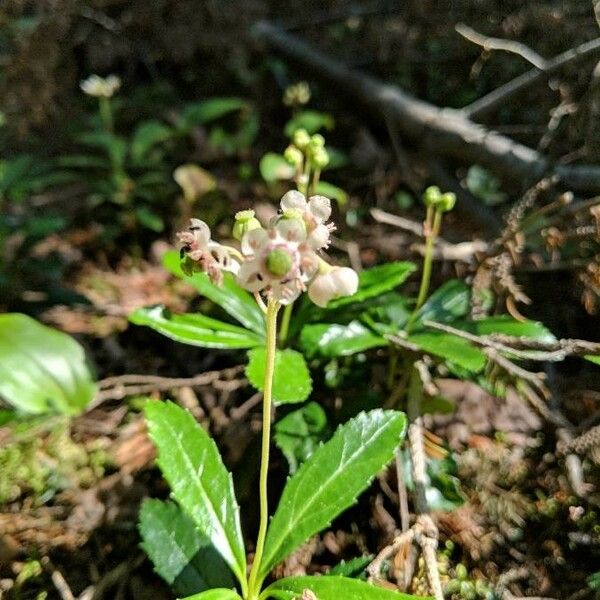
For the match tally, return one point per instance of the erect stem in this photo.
(106, 113)
(285, 323)
(254, 582)
(432, 229)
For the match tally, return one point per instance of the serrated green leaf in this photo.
(448, 303)
(181, 555)
(330, 588)
(330, 481)
(334, 340)
(376, 281)
(205, 111)
(42, 369)
(451, 347)
(195, 329)
(190, 462)
(146, 136)
(273, 167)
(332, 191)
(236, 301)
(291, 381)
(218, 594)
(311, 120)
(298, 434)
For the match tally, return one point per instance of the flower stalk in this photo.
(254, 583)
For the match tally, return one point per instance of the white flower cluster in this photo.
(281, 261)
(101, 87)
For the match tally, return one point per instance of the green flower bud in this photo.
(467, 591)
(432, 195)
(317, 141)
(320, 158)
(301, 139)
(245, 221)
(279, 262)
(453, 586)
(447, 201)
(293, 156)
(461, 571)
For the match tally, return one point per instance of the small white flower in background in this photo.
(279, 261)
(211, 257)
(314, 212)
(339, 281)
(101, 87)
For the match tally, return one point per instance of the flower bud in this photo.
(320, 158)
(446, 202)
(432, 195)
(293, 156)
(317, 141)
(245, 221)
(301, 139)
(339, 281)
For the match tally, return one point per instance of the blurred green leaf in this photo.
(42, 369)
(311, 120)
(291, 382)
(216, 594)
(205, 111)
(300, 432)
(273, 167)
(483, 184)
(354, 567)
(195, 329)
(594, 359)
(506, 325)
(332, 191)
(147, 135)
(149, 219)
(448, 303)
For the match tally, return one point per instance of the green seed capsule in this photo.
(279, 262)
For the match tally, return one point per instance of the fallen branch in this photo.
(441, 131)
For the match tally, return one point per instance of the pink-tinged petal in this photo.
(320, 207)
(345, 281)
(253, 241)
(291, 230)
(250, 277)
(322, 290)
(293, 200)
(318, 238)
(286, 292)
(201, 232)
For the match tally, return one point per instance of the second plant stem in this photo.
(254, 582)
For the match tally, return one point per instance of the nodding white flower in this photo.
(280, 261)
(314, 212)
(339, 281)
(211, 257)
(101, 87)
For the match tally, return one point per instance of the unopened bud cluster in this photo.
(308, 155)
(434, 198)
(101, 87)
(282, 260)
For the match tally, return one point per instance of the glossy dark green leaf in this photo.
(376, 281)
(236, 301)
(195, 329)
(330, 588)
(190, 462)
(299, 433)
(181, 555)
(330, 481)
(338, 340)
(42, 369)
(451, 347)
(291, 381)
(217, 594)
(448, 303)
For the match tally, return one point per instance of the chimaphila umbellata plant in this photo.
(277, 264)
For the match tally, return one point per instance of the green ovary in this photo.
(279, 262)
